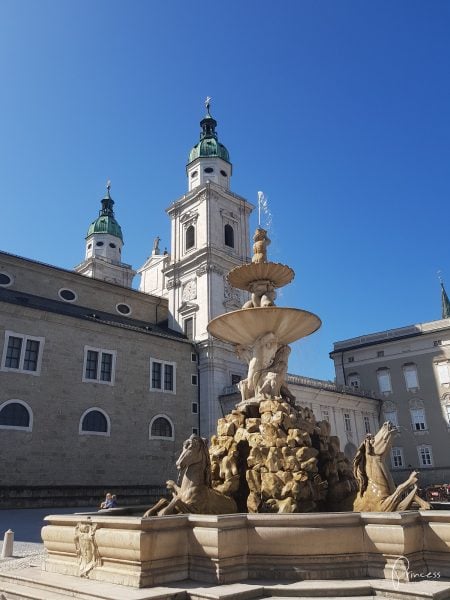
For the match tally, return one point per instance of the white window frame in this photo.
(161, 437)
(325, 414)
(418, 418)
(347, 422)
(387, 377)
(194, 245)
(106, 433)
(16, 427)
(100, 351)
(443, 377)
(397, 452)
(163, 364)
(411, 369)
(427, 448)
(25, 338)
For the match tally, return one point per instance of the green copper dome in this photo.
(209, 145)
(106, 222)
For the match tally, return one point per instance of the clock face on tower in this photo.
(190, 290)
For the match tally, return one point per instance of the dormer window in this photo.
(99, 244)
(208, 170)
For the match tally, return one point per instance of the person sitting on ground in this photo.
(108, 501)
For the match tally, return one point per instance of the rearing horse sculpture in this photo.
(377, 491)
(195, 495)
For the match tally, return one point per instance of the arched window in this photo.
(229, 236)
(15, 414)
(190, 237)
(94, 421)
(161, 427)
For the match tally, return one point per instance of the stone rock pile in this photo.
(273, 456)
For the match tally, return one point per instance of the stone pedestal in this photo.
(234, 548)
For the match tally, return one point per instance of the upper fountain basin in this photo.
(242, 276)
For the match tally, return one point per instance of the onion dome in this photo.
(209, 145)
(106, 222)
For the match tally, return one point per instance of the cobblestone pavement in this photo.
(28, 550)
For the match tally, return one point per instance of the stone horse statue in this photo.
(377, 491)
(195, 495)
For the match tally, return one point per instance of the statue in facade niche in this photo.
(377, 490)
(195, 495)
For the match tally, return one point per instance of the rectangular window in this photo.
(418, 419)
(195, 430)
(347, 423)
(397, 458)
(380, 353)
(194, 379)
(189, 328)
(162, 376)
(193, 357)
(351, 359)
(99, 365)
(156, 375)
(22, 353)
(194, 408)
(425, 456)
(168, 378)
(384, 381)
(411, 379)
(325, 414)
(366, 424)
(443, 372)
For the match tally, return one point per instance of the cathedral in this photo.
(102, 382)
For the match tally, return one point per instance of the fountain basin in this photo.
(242, 276)
(246, 325)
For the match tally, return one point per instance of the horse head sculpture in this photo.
(195, 494)
(377, 491)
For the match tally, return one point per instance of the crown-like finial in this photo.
(108, 186)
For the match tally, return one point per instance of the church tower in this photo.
(104, 243)
(209, 237)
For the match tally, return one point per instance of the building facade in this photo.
(95, 388)
(409, 368)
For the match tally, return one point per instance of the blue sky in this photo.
(338, 110)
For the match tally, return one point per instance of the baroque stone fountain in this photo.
(269, 454)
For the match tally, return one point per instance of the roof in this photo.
(89, 314)
(209, 145)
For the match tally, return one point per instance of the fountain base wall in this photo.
(233, 548)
